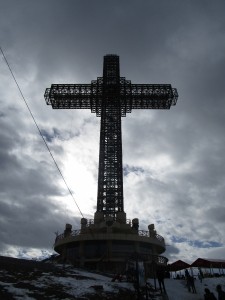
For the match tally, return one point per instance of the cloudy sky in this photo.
(174, 159)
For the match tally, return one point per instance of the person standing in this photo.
(209, 295)
(221, 293)
(200, 277)
(187, 277)
(161, 276)
(192, 284)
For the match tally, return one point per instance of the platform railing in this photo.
(143, 233)
(92, 221)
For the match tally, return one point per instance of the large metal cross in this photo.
(111, 97)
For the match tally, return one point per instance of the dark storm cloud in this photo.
(91, 29)
(28, 185)
(130, 169)
(31, 222)
(54, 133)
(172, 251)
(17, 167)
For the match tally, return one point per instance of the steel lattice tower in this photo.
(111, 97)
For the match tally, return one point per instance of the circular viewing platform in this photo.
(109, 244)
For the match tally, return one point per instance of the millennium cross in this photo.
(111, 97)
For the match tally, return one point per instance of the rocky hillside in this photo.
(28, 280)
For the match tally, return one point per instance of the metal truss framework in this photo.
(111, 97)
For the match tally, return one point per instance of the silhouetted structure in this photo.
(110, 97)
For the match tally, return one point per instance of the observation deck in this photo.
(108, 244)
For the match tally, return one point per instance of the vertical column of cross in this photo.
(110, 177)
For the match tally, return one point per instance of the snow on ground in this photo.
(78, 283)
(82, 287)
(177, 290)
(71, 282)
(17, 293)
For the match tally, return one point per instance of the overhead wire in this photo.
(57, 167)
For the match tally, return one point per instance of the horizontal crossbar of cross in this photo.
(91, 96)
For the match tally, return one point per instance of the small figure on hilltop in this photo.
(161, 276)
(200, 277)
(200, 272)
(187, 277)
(221, 293)
(190, 282)
(209, 295)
